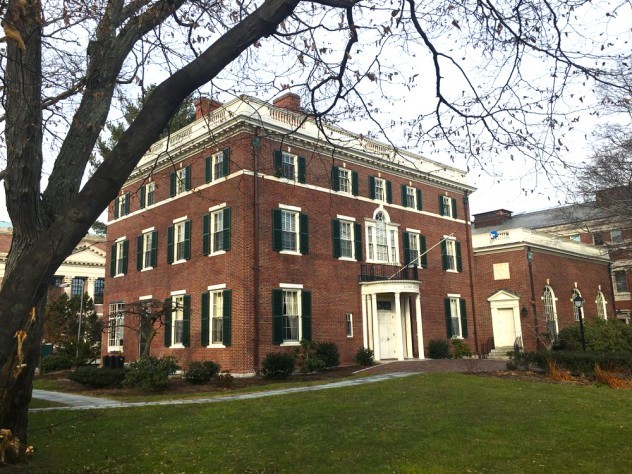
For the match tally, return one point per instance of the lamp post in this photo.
(83, 287)
(578, 301)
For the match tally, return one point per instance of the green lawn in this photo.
(39, 403)
(423, 423)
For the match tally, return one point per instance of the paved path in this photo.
(384, 371)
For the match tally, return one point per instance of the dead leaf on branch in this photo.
(13, 34)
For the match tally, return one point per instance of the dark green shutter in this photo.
(127, 199)
(204, 328)
(419, 206)
(302, 174)
(170, 244)
(125, 253)
(407, 258)
(187, 240)
(277, 316)
(139, 252)
(404, 196)
(206, 234)
(354, 183)
(454, 208)
(303, 229)
(463, 318)
(227, 299)
(459, 264)
(226, 231)
(116, 208)
(113, 260)
(371, 187)
(444, 255)
(208, 175)
(422, 249)
(448, 318)
(142, 196)
(335, 178)
(278, 164)
(335, 234)
(187, 178)
(168, 322)
(186, 321)
(172, 184)
(154, 248)
(226, 161)
(357, 235)
(277, 235)
(306, 315)
(441, 210)
(389, 191)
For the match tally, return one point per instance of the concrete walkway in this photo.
(385, 371)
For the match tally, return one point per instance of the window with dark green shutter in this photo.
(227, 317)
(354, 183)
(424, 257)
(306, 315)
(143, 191)
(208, 176)
(290, 231)
(187, 240)
(172, 184)
(335, 178)
(170, 246)
(455, 317)
(206, 234)
(304, 234)
(371, 187)
(389, 192)
(168, 325)
(302, 169)
(204, 317)
(115, 209)
(357, 236)
(463, 318)
(186, 320)
(459, 264)
(291, 315)
(113, 260)
(335, 233)
(139, 252)
(187, 178)
(277, 316)
(226, 162)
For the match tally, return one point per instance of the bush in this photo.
(460, 349)
(364, 357)
(150, 373)
(53, 363)
(201, 372)
(328, 353)
(438, 349)
(600, 336)
(308, 360)
(575, 362)
(224, 379)
(95, 377)
(278, 365)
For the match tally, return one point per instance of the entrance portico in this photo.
(386, 318)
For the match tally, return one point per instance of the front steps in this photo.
(500, 353)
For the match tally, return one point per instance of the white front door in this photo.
(503, 322)
(388, 334)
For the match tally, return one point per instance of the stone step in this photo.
(500, 353)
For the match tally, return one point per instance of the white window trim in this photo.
(350, 316)
(447, 205)
(144, 233)
(345, 218)
(413, 231)
(180, 219)
(120, 243)
(217, 207)
(291, 286)
(453, 240)
(181, 181)
(220, 286)
(213, 289)
(299, 306)
(145, 297)
(458, 314)
(116, 348)
(383, 188)
(213, 156)
(149, 229)
(348, 220)
(177, 223)
(372, 223)
(295, 164)
(212, 213)
(289, 208)
(297, 227)
(177, 345)
(414, 196)
(349, 177)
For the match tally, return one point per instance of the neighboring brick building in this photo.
(526, 280)
(315, 246)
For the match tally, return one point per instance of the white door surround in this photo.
(505, 311)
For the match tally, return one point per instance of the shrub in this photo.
(278, 365)
(200, 372)
(95, 377)
(306, 355)
(224, 379)
(438, 349)
(575, 362)
(56, 362)
(150, 373)
(556, 373)
(460, 349)
(600, 336)
(364, 357)
(328, 353)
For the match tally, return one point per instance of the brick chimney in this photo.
(491, 218)
(289, 101)
(204, 106)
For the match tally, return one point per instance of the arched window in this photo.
(600, 301)
(550, 311)
(576, 292)
(381, 239)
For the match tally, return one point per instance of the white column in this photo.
(89, 287)
(376, 332)
(409, 331)
(399, 327)
(365, 335)
(420, 332)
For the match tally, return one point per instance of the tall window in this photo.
(289, 228)
(148, 245)
(382, 240)
(616, 236)
(118, 257)
(345, 180)
(177, 319)
(179, 242)
(598, 238)
(349, 324)
(550, 311)
(380, 189)
(620, 282)
(116, 319)
(291, 309)
(217, 317)
(414, 249)
(455, 317)
(150, 191)
(451, 255)
(576, 292)
(99, 289)
(411, 197)
(600, 301)
(217, 219)
(216, 231)
(181, 180)
(344, 177)
(78, 286)
(291, 316)
(346, 239)
(447, 206)
(218, 165)
(121, 205)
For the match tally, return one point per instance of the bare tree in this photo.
(65, 62)
(145, 318)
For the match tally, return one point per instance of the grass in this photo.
(38, 403)
(423, 423)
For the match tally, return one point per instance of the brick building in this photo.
(526, 280)
(257, 231)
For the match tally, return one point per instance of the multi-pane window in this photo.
(446, 209)
(380, 189)
(346, 239)
(415, 249)
(118, 257)
(116, 320)
(600, 301)
(450, 261)
(349, 324)
(177, 319)
(147, 246)
(78, 286)
(291, 316)
(217, 317)
(620, 282)
(288, 166)
(598, 238)
(289, 230)
(218, 165)
(616, 236)
(382, 240)
(344, 180)
(550, 312)
(576, 310)
(181, 179)
(217, 219)
(99, 289)
(216, 231)
(150, 191)
(455, 317)
(121, 205)
(180, 241)
(411, 197)
(58, 280)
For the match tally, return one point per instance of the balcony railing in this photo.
(373, 272)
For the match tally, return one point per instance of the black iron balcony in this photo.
(373, 272)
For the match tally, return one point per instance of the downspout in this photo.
(535, 314)
(256, 270)
(614, 304)
(468, 234)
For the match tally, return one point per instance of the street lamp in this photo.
(578, 301)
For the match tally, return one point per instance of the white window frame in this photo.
(299, 316)
(414, 241)
(411, 196)
(216, 316)
(345, 184)
(290, 216)
(349, 325)
(447, 206)
(455, 316)
(217, 160)
(575, 238)
(619, 236)
(380, 189)
(289, 163)
(550, 308)
(450, 250)
(387, 241)
(181, 181)
(147, 243)
(150, 194)
(616, 284)
(119, 258)
(177, 314)
(116, 321)
(349, 241)
(217, 233)
(179, 241)
(601, 302)
(122, 203)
